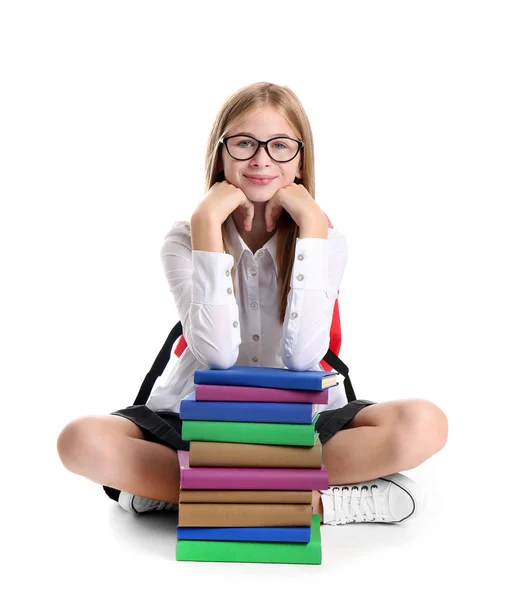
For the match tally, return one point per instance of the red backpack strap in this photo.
(335, 336)
(335, 327)
(180, 346)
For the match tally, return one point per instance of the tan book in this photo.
(227, 454)
(244, 515)
(246, 496)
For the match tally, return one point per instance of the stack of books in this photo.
(254, 460)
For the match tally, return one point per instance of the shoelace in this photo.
(352, 504)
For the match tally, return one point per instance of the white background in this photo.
(105, 112)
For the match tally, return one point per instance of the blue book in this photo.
(267, 377)
(253, 412)
(246, 534)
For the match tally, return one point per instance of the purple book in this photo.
(249, 478)
(238, 393)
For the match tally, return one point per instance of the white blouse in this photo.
(222, 330)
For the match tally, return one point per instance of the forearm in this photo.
(314, 228)
(206, 233)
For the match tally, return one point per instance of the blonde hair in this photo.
(254, 97)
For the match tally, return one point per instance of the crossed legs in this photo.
(381, 439)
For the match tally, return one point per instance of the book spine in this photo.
(254, 479)
(225, 454)
(244, 515)
(246, 496)
(234, 393)
(247, 534)
(255, 412)
(250, 433)
(276, 380)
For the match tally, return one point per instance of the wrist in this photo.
(204, 219)
(314, 226)
(206, 233)
(313, 231)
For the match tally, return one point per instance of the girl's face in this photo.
(262, 124)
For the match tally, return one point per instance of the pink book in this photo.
(249, 478)
(238, 393)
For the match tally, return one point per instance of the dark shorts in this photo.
(164, 426)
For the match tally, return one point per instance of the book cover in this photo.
(255, 412)
(246, 496)
(268, 377)
(244, 515)
(236, 393)
(255, 552)
(281, 434)
(227, 454)
(234, 478)
(247, 534)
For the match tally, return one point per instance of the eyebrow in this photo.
(272, 136)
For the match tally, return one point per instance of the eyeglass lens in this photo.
(243, 147)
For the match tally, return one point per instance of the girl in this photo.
(255, 275)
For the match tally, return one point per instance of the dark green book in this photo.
(282, 434)
(255, 552)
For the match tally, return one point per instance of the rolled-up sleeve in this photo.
(318, 268)
(201, 284)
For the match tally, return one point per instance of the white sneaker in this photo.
(390, 499)
(139, 504)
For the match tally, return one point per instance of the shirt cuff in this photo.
(310, 268)
(211, 278)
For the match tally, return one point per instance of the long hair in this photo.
(254, 97)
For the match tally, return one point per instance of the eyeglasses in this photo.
(244, 147)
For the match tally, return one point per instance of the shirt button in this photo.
(227, 273)
(254, 305)
(255, 338)
(294, 315)
(300, 257)
(255, 359)
(300, 277)
(253, 272)
(235, 324)
(229, 290)
(260, 253)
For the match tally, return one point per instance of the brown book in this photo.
(246, 496)
(226, 454)
(244, 515)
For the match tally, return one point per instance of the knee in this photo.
(74, 443)
(420, 430)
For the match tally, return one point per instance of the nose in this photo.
(261, 155)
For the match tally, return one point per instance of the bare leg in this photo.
(385, 438)
(111, 450)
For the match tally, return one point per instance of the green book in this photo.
(308, 553)
(282, 434)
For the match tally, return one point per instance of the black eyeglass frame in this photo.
(223, 140)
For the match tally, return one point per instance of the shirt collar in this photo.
(238, 246)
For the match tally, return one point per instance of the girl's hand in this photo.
(303, 210)
(221, 200)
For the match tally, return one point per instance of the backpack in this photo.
(330, 361)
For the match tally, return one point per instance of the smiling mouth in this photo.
(260, 180)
